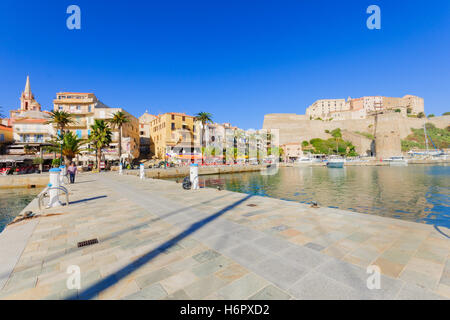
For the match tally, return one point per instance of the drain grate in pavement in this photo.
(87, 243)
(251, 205)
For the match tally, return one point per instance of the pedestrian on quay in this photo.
(72, 172)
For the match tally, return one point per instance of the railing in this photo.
(44, 196)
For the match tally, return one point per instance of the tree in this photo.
(408, 110)
(29, 149)
(446, 114)
(117, 121)
(60, 119)
(71, 146)
(430, 115)
(336, 133)
(100, 137)
(420, 115)
(398, 110)
(204, 118)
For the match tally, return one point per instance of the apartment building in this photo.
(292, 151)
(360, 108)
(86, 108)
(321, 108)
(170, 130)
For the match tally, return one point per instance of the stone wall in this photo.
(296, 128)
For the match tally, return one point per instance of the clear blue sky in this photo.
(238, 59)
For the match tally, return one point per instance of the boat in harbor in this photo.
(397, 161)
(303, 161)
(335, 162)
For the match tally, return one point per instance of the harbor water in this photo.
(418, 193)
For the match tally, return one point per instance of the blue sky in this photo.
(236, 59)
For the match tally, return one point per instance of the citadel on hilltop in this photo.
(361, 108)
(374, 124)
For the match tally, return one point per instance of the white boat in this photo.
(303, 161)
(335, 162)
(397, 161)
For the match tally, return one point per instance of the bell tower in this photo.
(27, 101)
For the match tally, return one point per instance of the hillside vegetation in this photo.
(416, 140)
(334, 145)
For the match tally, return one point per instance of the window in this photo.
(79, 134)
(2, 137)
(173, 126)
(184, 118)
(89, 108)
(173, 117)
(141, 133)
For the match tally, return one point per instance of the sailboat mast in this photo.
(425, 132)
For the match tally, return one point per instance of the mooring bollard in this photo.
(54, 185)
(193, 173)
(63, 174)
(141, 171)
(120, 168)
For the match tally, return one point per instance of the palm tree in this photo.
(71, 146)
(60, 119)
(117, 121)
(100, 137)
(204, 118)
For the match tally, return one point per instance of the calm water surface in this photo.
(415, 192)
(12, 201)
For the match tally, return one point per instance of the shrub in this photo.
(56, 162)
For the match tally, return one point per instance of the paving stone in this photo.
(315, 286)
(414, 292)
(152, 277)
(314, 246)
(204, 287)
(279, 271)
(272, 244)
(246, 254)
(206, 255)
(179, 295)
(243, 287)
(210, 266)
(304, 257)
(270, 293)
(153, 292)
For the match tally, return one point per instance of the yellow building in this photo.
(86, 108)
(6, 137)
(169, 130)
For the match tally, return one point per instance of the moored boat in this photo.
(335, 162)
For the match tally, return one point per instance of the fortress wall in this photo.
(296, 128)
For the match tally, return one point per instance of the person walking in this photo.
(72, 171)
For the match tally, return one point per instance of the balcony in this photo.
(81, 123)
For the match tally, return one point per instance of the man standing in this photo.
(72, 171)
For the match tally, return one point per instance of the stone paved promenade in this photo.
(158, 241)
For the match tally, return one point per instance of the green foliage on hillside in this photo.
(328, 146)
(440, 138)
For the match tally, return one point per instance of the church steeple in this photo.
(27, 101)
(27, 91)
